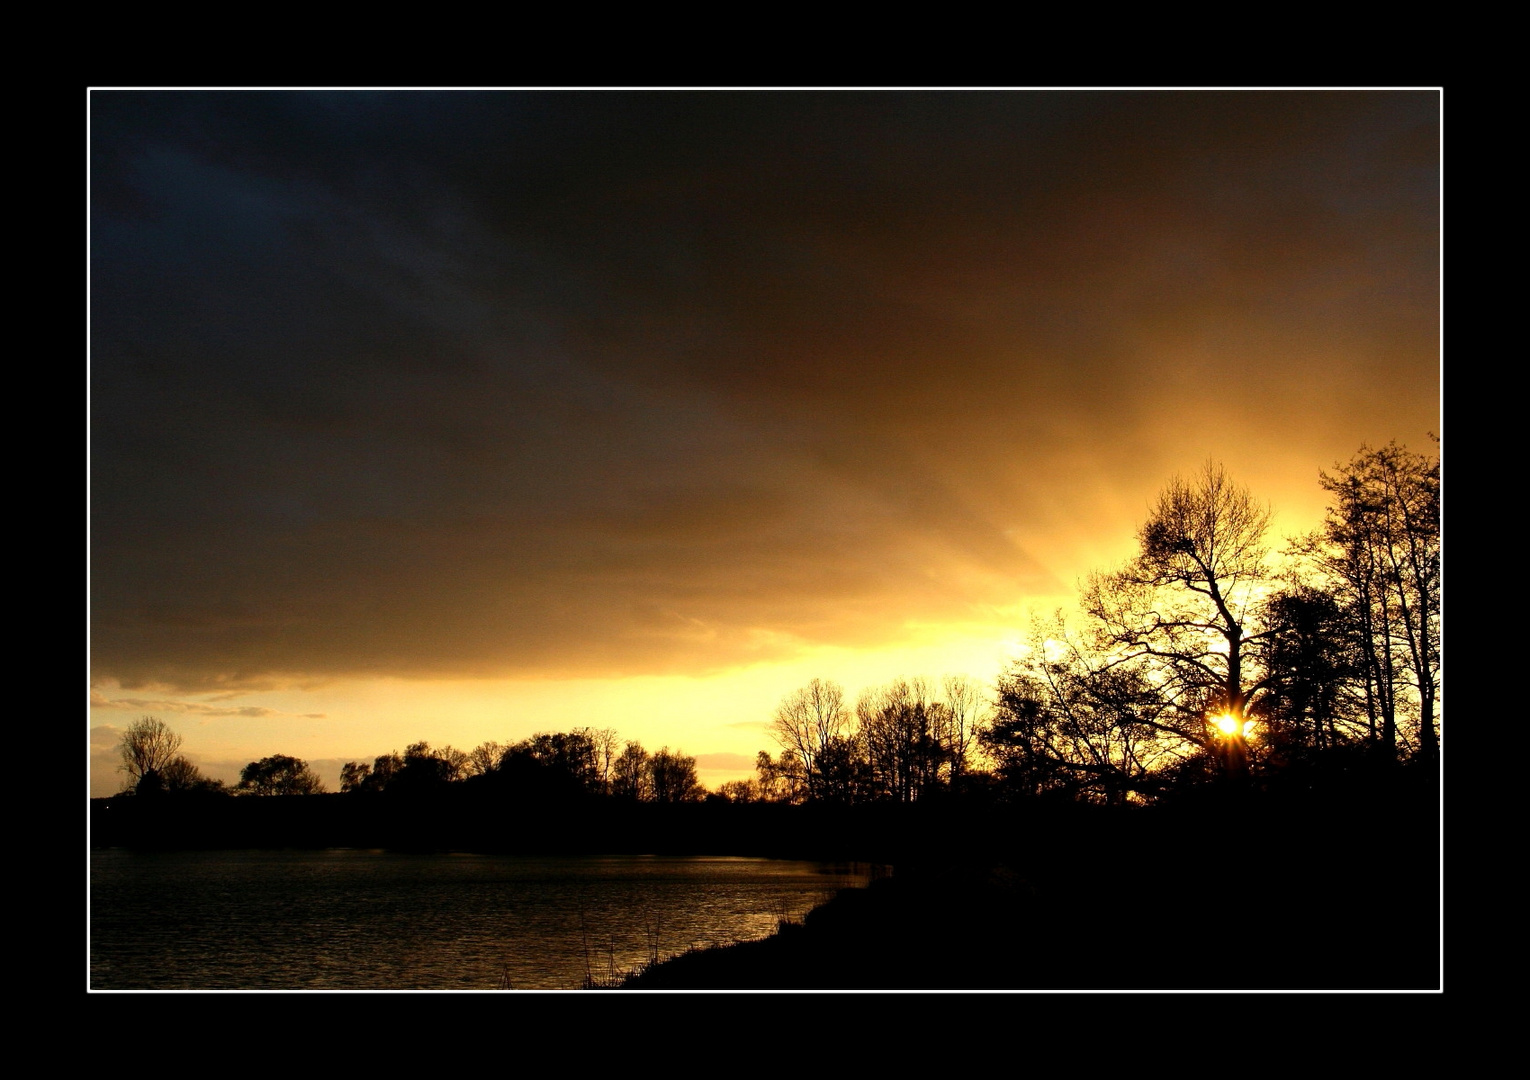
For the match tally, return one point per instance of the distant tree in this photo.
(147, 746)
(780, 779)
(279, 775)
(484, 758)
(740, 791)
(1019, 741)
(603, 745)
(456, 762)
(807, 722)
(631, 777)
(386, 768)
(425, 767)
(555, 766)
(902, 730)
(674, 777)
(966, 711)
(180, 776)
(570, 755)
(354, 775)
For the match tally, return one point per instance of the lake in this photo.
(347, 919)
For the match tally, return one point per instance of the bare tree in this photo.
(484, 758)
(1185, 609)
(148, 745)
(605, 742)
(966, 707)
(455, 763)
(807, 722)
(903, 729)
(1070, 723)
(1380, 548)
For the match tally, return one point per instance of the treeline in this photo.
(902, 743)
(584, 762)
(1206, 661)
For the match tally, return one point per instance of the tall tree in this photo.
(1380, 547)
(1186, 608)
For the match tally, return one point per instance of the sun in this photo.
(1227, 724)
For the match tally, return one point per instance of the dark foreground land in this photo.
(1332, 890)
(993, 930)
(1274, 898)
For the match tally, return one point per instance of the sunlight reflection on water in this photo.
(372, 920)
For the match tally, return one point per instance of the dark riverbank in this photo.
(1275, 897)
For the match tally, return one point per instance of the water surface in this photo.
(374, 920)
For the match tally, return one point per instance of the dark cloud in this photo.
(459, 383)
(191, 708)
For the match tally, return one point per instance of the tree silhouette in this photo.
(780, 779)
(147, 746)
(902, 730)
(180, 776)
(806, 723)
(279, 774)
(1079, 726)
(965, 710)
(353, 776)
(1380, 549)
(1312, 664)
(630, 776)
(1185, 610)
(674, 777)
(484, 758)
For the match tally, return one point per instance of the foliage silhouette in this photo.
(279, 774)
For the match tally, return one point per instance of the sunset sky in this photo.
(466, 415)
